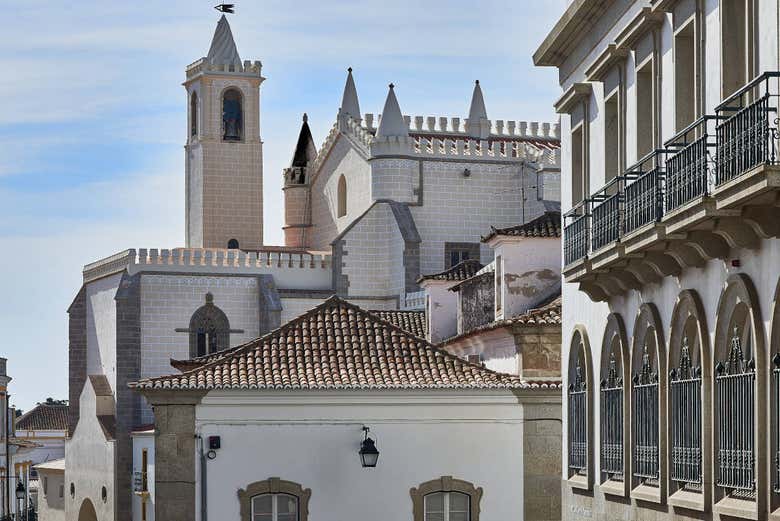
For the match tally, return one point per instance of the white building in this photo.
(374, 208)
(272, 429)
(669, 181)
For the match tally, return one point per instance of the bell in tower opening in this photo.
(232, 121)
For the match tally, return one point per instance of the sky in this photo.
(93, 122)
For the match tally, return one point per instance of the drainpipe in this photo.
(203, 487)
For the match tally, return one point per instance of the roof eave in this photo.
(575, 23)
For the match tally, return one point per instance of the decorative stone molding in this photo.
(443, 484)
(274, 486)
(581, 343)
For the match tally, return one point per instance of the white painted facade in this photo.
(314, 438)
(708, 281)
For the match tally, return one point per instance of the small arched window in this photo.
(274, 499)
(209, 329)
(342, 197)
(275, 507)
(194, 114)
(446, 499)
(232, 115)
(233, 244)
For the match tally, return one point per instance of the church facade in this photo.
(383, 201)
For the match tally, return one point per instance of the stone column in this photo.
(174, 453)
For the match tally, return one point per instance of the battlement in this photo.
(453, 125)
(496, 150)
(203, 65)
(209, 260)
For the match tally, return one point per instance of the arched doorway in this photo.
(87, 511)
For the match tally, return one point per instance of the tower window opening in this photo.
(194, 114)
(232, 116)
(342, 197)
(232, 244)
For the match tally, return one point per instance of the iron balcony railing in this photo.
(575, 234)
(605, 214)
(735, 398)
(747, 136)
(741, 135)
(646, 414)
(685, 402)
(644, 183)
(578, 435)
(689, 163)
(612, 423)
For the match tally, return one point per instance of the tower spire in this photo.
(477, 112)
(392, 123)
(223, 48)
(349, 101)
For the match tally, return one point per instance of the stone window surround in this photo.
(444, 484)
(737, 289)
(615, 331)
(581, 341)
(648, 322)
(274, 486)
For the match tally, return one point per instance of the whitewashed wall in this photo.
(313, 440)
(101, 327)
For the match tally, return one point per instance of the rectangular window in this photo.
(145, 470)
(644, 110)
(734, 20)
(611, 138)
(62, 491)
(577, 167)
(45, 485)
(457, 252)
(499, 280)
(684, 76)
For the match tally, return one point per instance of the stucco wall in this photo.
(101, 327)
(51, 506)
(442, 310)
(531, 273)
(314, 439)
(345, 160)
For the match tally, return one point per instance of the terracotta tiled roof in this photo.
(546, 225)
(44, 417)
(549, 314)
(410, 321)
(462, 271)
(337, 345)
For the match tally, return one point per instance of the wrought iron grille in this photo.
(776, 397)
(575, 239)
(747, 136)
(685, 398)
(644, 202)
(606, 221)
(735, 399)
(578, 434)
(646, 420)
(612, 422)
(688, 166)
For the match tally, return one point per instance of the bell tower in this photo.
(224, 152)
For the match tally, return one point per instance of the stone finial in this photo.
(305, 118)
(477, 112)
(349, 100)
(392, 122)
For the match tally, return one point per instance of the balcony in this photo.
(713, 187)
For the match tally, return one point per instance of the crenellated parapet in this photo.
(209, 260)
(455, 125)
(248, 68)
(468, 148)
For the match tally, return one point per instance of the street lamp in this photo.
(20, 495)
(368, 451)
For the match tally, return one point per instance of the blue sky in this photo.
(93, 121)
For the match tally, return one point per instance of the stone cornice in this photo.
(606, 61)
(579, 17)
(575, 94)
(642, 24)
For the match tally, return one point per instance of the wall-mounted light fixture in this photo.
(369, 454)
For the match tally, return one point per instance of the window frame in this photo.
(445, 484)
(446, 504)
(275, 504)
(273, 485)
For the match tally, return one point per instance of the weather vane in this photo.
(225, 8)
